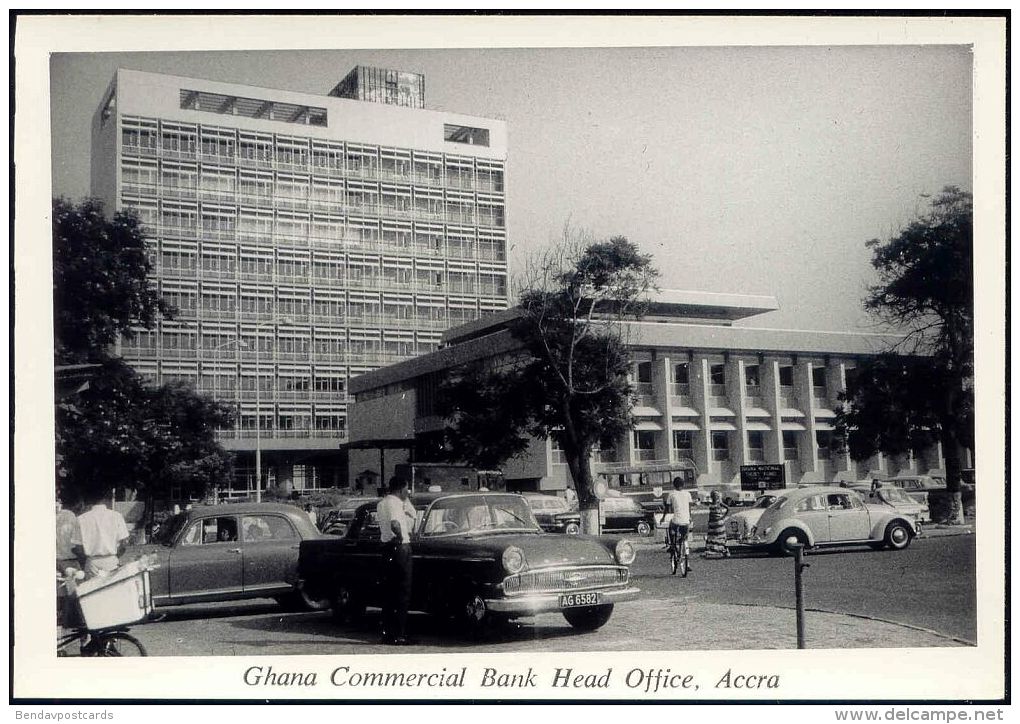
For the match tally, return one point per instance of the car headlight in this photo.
(513, 559)
(624, 552)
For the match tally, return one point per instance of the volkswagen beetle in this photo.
(829, 516)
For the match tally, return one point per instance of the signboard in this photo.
(762, 477)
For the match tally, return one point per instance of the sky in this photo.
(755, 170)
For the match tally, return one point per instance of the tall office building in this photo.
(305, 239)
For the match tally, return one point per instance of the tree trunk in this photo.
(951, 453)
(588, 503)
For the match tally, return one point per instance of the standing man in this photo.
(104, 536)
(70, 553)
(678, 502)
(396, 518)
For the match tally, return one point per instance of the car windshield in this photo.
(765, 501)
(549, 505)
(894, 495)
(478, 514)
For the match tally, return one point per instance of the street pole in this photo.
(258, 421)
(798, 586)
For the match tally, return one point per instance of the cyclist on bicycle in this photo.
(678, 502)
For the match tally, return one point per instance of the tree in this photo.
(101, 285)
(922, 390)
(112, 429)
(571, 378)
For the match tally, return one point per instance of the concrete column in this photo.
(835, 380)
(663, 370)
(736, 391)
(660, 396)
(769, 373)
(805, 402)
(699, 399)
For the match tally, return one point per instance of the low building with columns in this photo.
(712, 396)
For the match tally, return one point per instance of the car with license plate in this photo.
(738, 525)
(829, 516)
(478, 558)
(554, 514)
(229, 552)
(896, 498)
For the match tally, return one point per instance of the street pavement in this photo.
(740, 603)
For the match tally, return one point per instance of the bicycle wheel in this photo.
(685, 559)
(119, 644)
(674, 558)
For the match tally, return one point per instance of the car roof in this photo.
(241, 508)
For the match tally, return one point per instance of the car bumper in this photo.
(543, 602)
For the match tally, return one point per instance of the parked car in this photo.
(624, 514)
(731, 494)
(916, 486)
(338, 520)
(478, 557)
(898, 499)
(554, 514)
(738, 525)
(230, 552)
(829, 516)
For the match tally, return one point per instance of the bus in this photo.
(649, 482)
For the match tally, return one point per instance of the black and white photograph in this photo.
(663, 363)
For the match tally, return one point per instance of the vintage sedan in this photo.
(230, 552)
(898, 499)
(738, 525)
(478, 558)
(829, 516)
(625, 515)
(554, 514)
(338, 519)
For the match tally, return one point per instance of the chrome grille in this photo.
(565, 579)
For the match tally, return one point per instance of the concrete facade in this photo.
(305, 239)
(708, 391)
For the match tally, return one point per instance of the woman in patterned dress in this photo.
(715, 541)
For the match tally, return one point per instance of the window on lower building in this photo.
(718, 374)
(789, 445)
(644, 440)
(720, 445)
(786, 376)
(756, 445)
(818, 376)
(683, 443)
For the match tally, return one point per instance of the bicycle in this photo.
(111, 637)
(679, 554)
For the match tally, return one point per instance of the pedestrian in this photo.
(396, 518)
(104, 536)
(571, 497)
(310, 512)
(70, 554)
(715, 541)
(678, 502)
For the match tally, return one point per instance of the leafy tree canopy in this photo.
(101, 286)
(922, 390)
(571, 379)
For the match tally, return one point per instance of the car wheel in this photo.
(346, 606)
(643, 528)
(572, 529)
(588, 618)
(784, 547)
(897, 535)
(474, 614)
(299, 600)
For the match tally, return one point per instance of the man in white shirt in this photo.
(678, 502)
(104, 536)
(396, 519)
